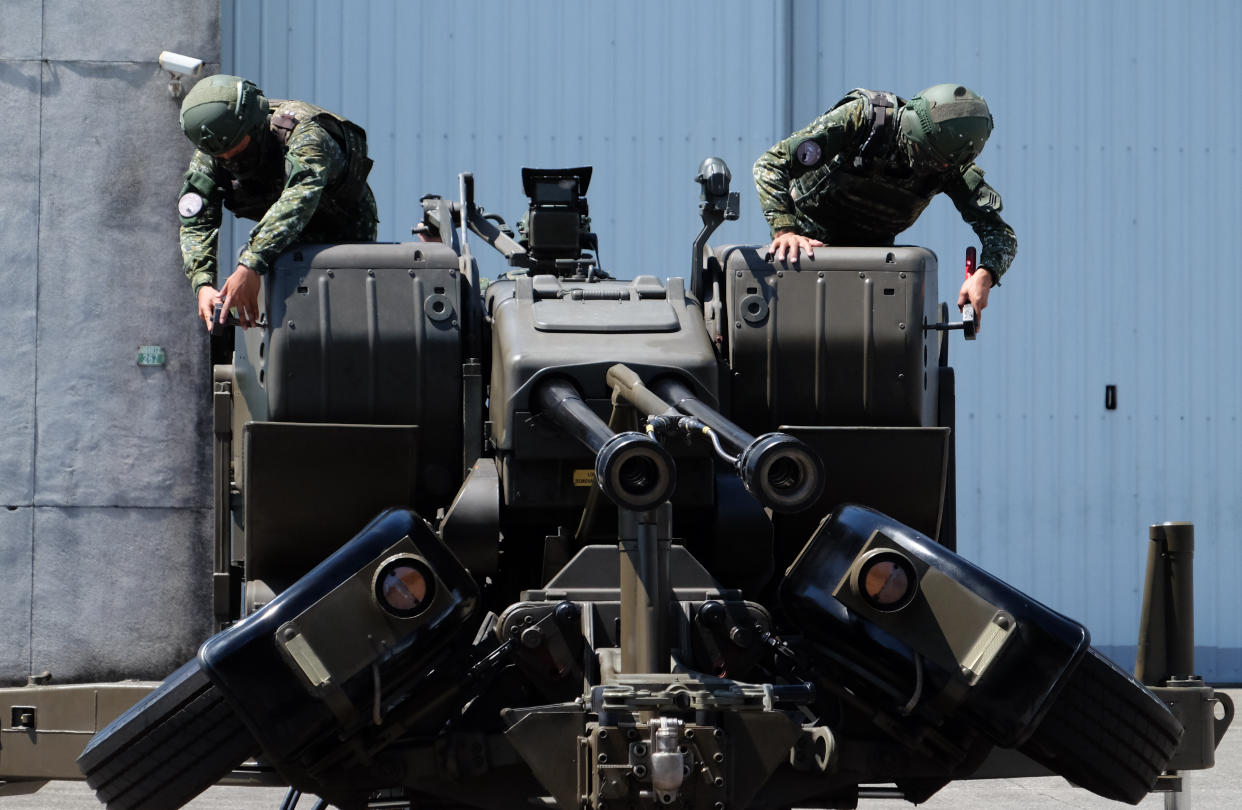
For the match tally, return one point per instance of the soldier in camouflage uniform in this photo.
(297, 169)
(862, 173)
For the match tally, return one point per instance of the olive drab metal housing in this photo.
(615, 544)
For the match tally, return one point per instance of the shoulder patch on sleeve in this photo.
(808, 152)
(190, 204)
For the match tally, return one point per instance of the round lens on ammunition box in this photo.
(404, 586)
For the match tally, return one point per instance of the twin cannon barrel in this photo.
(636, 472)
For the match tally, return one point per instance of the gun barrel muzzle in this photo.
(633, 470)
(782, 472)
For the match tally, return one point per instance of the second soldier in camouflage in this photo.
(863, 172)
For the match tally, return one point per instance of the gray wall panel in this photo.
(89, 271)
(1114, 202)
(19, 230)
(16, 547)
(111, 433)
(134, 31)
(21, 36)
(142, 620)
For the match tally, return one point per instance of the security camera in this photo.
(180, 64)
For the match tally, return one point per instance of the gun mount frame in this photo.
(623, 569)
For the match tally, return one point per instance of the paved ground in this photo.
(1217, 789)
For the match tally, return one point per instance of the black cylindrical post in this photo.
(1166, 647)
(644, 593)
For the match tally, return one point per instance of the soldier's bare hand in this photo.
(241, 291)
(788, 244)
(975, 292)
(208, 297)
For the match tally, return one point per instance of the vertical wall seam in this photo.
(787, 97)
(34, 396)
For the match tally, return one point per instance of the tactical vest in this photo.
(865, 193)
(352, 139)
(249, 194)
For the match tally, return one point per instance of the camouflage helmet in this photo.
(221, 110)
(944, 126)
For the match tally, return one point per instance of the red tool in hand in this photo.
(968, 310)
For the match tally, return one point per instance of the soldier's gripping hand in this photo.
(788, 244)
(241, 291)
(975, 292)
(208, 297)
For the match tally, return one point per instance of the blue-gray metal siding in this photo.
(1115, 151)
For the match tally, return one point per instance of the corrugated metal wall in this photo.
(1115, 151)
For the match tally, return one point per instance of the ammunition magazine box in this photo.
(361, 367)
(838, 341)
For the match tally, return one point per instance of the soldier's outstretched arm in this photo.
(980, 207)
(199, 210)
(810, 149)
(772, 181)
(312, 159)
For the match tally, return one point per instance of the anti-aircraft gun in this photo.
(649, 546)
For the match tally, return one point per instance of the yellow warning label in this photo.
(584, 478)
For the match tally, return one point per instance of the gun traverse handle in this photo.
(219, 327)
(969, 321)
(968, 311)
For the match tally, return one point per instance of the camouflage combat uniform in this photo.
(851, 199)
(296, 182)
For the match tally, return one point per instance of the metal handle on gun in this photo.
(230, 320)
(968, 322)
(968, 311)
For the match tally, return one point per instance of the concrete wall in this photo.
(104, 466)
